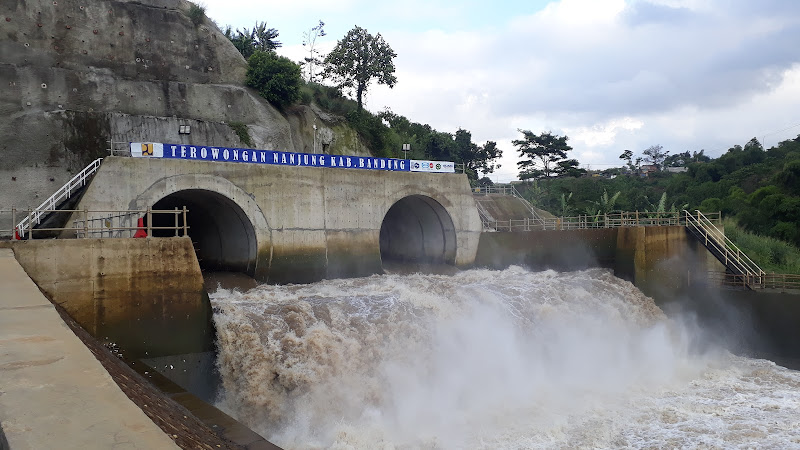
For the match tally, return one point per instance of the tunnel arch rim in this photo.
(448, 229)
(222, 187)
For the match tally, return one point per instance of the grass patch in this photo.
(196, 13)
(771, 254)
(241, 130)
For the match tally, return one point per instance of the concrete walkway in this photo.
(53, 392)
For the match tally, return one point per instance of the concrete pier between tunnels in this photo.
(223, 236)
(418, 229)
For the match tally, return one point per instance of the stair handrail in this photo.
(704, 225)
(62, 193)
(512, 191)
(486, 218)
(531, 209)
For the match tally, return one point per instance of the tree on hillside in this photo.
(655, 155)
(310, 42)
(357, 60)
(700, 156)
(260, 38)
(544, 150)
(627, 156)
(476, 158)
(569, 168)
(440, 146)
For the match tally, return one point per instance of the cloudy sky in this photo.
(610, 74)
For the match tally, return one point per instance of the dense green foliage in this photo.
(772, 255)
(543, 155)
(357, 60)
(386, 132)
(759, 188)
(260, 38)
(275, 77)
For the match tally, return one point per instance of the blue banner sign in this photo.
(244, 155)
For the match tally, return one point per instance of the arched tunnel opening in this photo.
(223, 236)
(417, 229)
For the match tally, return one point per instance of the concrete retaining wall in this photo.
(146, 295)
(307, 223)
(658, 260)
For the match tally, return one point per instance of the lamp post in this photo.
(315, 137)
(406, 149)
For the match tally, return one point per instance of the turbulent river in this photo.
(489, 359)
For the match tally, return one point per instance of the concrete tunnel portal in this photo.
(224, 237)
(417, 229)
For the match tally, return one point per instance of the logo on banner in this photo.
(416, 165)
(147, 149)
(438, 166)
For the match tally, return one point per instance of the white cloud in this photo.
(603, 134)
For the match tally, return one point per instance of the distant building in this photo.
(647, 169)
(676, 169)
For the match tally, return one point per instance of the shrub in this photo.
(196, 13)
(275, 77)
(241, 130)
(772, 255)
(372, 129)
(306, 96)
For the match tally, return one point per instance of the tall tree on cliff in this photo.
(357, 60)
(310, 44)
(545, 150)
(476, 158)
(655, 155)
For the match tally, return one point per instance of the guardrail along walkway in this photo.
(35, 216)
(735, 261)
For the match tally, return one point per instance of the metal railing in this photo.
(769, 281)
(509, 189)
(483, 213)
(63, 193)
(610, 220)
(724, 249)
(88, 223)
(505, 189)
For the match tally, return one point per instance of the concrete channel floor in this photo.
(53, 392)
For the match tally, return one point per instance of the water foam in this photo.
(486, 359)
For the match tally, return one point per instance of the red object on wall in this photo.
(140, 233)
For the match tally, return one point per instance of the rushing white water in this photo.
(489, 359)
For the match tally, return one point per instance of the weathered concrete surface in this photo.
(659, 260)
(308, 223)
(662, 261)
(548, 249)
(53, 392)
(145, 295)
(76, 74)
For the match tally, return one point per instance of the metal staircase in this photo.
(489, 223)
(734, 260)
(36, 216)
